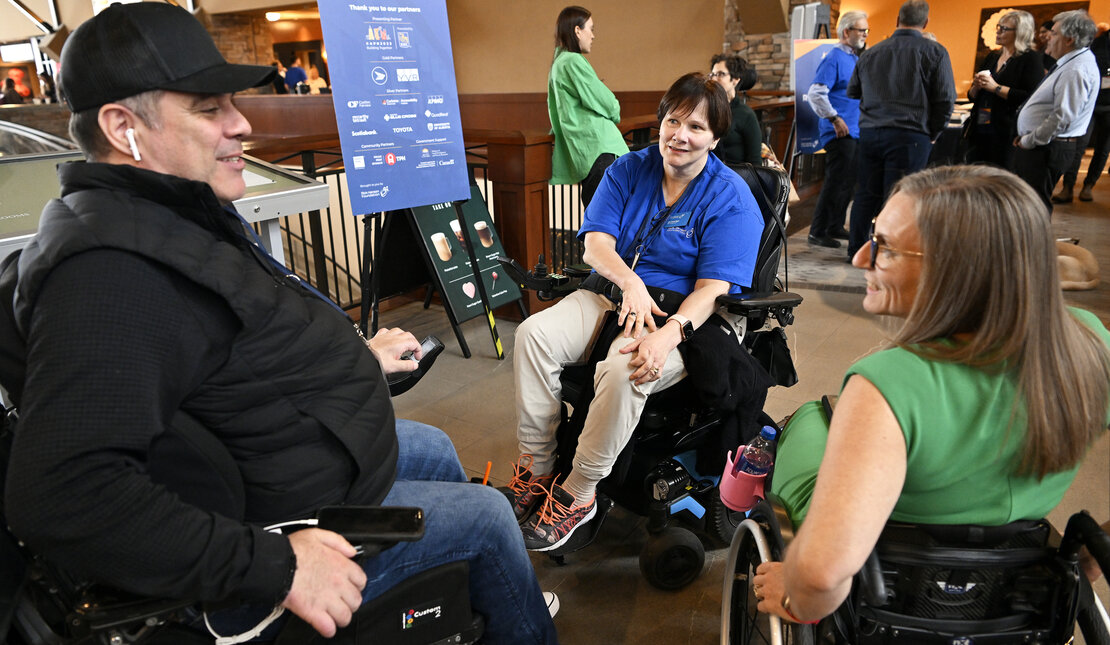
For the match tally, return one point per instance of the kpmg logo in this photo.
(408, 75)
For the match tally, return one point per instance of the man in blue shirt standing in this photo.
(906, 95)
(1056, 116)
(838, 130)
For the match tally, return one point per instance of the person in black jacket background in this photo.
(1006, 78)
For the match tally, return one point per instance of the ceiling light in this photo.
(273, 16)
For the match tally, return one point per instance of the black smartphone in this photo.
(373, 523)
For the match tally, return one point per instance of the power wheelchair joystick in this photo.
(548, 286)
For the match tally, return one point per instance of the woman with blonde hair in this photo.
(1002, 83)
(979, 414)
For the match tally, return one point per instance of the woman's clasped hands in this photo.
(652, 344)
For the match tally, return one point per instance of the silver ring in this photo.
(655, 371)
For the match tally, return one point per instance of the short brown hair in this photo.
(690, 91)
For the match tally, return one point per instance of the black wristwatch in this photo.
(685, 327)
(833, 118)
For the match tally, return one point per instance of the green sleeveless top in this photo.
(961, 455)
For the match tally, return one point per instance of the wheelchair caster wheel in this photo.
(672, 559)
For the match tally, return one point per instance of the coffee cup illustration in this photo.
(459, 234)
(443, 247)
(484, 234)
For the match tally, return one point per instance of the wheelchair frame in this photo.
(759, 539)
(670, 484)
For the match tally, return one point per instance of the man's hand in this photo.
(841, 127)
(389, 344)
(327, 586)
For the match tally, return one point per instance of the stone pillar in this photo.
(769, 53)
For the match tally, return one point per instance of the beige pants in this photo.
(560, 336)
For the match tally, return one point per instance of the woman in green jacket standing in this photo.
(584, 113)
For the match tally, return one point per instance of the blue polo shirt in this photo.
(834, 72)
(712, 232)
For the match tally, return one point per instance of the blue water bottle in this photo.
(758, 455)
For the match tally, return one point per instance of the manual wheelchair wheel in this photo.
(741, 622)
(672, 559)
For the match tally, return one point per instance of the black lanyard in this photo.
(642, 241)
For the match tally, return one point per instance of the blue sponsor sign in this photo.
(396, 104)
(808, 54)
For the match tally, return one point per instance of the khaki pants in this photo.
(563, 335)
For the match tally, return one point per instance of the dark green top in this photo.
(744, 138)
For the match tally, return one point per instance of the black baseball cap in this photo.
(128, 49)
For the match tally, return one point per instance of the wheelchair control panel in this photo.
(548, 286)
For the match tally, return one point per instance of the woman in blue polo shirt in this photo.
(669, 221)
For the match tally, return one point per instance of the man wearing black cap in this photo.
(144, 304)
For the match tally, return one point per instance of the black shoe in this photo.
(839, 234)
(826, 242)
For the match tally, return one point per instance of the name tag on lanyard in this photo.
(677, 220)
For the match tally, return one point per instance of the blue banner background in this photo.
(396, 103)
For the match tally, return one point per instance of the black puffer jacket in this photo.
(138, 300)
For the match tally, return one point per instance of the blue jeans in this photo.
(462, 521)
(885, 156)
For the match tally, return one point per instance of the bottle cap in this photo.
(769, 433)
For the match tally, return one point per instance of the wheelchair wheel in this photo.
(1092, 618)
(672, 559)
(741, 622)
(722, 521)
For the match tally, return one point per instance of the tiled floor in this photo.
(604, 598)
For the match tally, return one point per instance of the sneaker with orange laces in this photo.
(557, 521)
(525, 491)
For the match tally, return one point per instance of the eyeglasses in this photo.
(862, 31)
(713, 75)
(1001, 28)
(877, 241)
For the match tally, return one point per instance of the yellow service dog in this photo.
(1078, 267)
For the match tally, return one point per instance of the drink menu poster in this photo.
(396, 103)
(442, 235)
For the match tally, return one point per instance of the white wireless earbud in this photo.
(130, 134)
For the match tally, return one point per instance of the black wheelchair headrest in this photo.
(748, 79)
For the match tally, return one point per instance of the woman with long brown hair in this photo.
(979, 414)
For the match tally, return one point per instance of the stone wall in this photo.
(769, 53)
(241, 38)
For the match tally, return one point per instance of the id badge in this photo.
(678, 220)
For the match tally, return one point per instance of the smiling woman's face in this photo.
(892, 284)
(685, 140)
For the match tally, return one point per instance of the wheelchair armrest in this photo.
(547, 286)
(401, 382)
(577, 271)
(748, 305)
